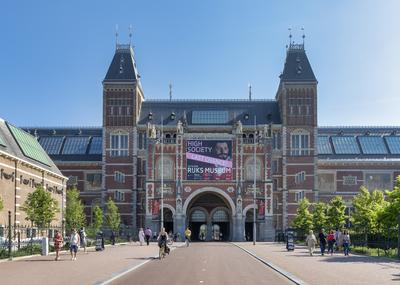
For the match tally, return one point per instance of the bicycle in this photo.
(161, 252)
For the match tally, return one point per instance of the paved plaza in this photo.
(201, 263)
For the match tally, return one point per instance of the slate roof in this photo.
(62, 135)
(123, 66)
(265, 111)
(11, 146)
(353, 142)
(297, 67)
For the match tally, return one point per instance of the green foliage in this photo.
(367, 207)
(319, 216)
(389, 215)
(336, 217)
(1, 204)
(40, 207)
(113, 219)
(97, 218)
(74, 216)
(303, 220)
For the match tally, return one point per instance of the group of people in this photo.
(76, 240)
(335, 241)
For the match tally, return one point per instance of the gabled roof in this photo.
(18, 143)
(297, 67)
(228, 111)
(123, 66)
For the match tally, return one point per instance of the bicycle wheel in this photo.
(161, 252)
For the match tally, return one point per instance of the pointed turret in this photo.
(123, 66)
(297, 67)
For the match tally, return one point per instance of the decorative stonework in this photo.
(188, 189)
(230, 189)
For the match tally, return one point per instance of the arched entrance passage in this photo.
(168, 220)
(216, 208)
(249, 222)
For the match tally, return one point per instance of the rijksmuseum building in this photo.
(205, 154)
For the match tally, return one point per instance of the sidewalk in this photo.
(329, 270)
(89, 268)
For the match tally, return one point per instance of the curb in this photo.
(53, 253)
(281, 271)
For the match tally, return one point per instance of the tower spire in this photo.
(249, 92)
(290, 36)
(303, 36)
(170, 92)
(116, 35)
(130, 35)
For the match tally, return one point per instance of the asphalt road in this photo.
(204, 263)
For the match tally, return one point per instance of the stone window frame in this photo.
(302, 149)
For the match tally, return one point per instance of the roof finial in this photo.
(249, 92)
(290, 36)
(116, 35)
(170, 92)
(130, 35)
(303, 36)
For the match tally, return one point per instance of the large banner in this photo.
(209, 159)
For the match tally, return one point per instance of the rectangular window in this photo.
(119, 145)
(119, 196)
(326, 182)
(119, 177)
(298, 196)
(349, 180)
(93, 181)
(378, 181)
(300, 177)
(72, 181)
(276, 140)
(300, 144)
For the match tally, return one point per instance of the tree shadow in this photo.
(360, 259)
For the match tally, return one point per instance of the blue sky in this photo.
(54, 54)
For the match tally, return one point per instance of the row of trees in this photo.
(373, 212)
(41, 209)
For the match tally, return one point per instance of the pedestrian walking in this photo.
(322, 241)
(338, 239)
(141, 236)
(147, 235)
(82, 236)
(331, 241)
(74, 243)
(188, 234)
(112, 238)
(311, 241)
(58, 240)
(346, 242)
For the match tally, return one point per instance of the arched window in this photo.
(220, 216)
(168, 168)
(249, 168)
(198, 216)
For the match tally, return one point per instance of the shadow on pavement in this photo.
(142, 258)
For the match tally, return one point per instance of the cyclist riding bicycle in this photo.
(188, 233)
(162, 243)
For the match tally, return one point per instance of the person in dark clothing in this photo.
(322, 241)
(112, 238)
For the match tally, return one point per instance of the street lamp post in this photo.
(254, 185)
(162, 174)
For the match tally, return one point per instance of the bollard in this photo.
(45, 246)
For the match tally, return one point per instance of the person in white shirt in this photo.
(74, 243)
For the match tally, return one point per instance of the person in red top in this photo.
(58, 240)
(331, 241)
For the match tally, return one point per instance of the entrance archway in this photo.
(168, 220)
(209, 215)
